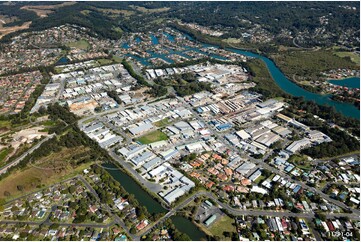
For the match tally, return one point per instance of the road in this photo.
(60, 224)
(268, 167)
(153, 187)
(106, 207)
(17, 160)
(246, 212)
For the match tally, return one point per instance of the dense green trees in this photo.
(342, 143)
(158, 90)
(185, 84)
(326, 112)
(140, 79)
(113, 94)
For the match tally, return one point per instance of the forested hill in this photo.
(322, 20)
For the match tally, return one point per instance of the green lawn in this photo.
(301, 161)
(80, 44)
(117, 59)
(4, 124)
(49, 123)
(152, 137)
(225, 223)
(259, 179)
(117, 29)
(103, 62)
(162, 122)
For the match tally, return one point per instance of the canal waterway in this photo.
(186, 226)
(351, 82)
(281, 80)
(182, 224)
(133, 187)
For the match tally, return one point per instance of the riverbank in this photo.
(133, 187)
(287, 85)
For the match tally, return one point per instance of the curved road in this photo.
(17, 160)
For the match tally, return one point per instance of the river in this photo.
(281, 80)
(291, 88)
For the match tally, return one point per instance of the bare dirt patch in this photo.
(5, 19)
(7, 30)
(44, 10)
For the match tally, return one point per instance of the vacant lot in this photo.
(47, 170)
(152, 137)
(7, 30)
(224, 224)
(162, 122)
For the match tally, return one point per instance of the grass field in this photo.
(81, 44)
(162, 122)
(48, 170)
(114, 12)
(152, 137)
(103, 62)
(4, 124)
(259, 179)
(117, 29)
(150, 10)
(117, 59)
(355, 58)
(232, 40)
(224, 224)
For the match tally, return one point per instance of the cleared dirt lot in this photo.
(44, 10)
(7, 30)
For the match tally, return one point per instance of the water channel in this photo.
(186, 226)
(352, 82)
(182, 224)
(134, 188)
(281, 80)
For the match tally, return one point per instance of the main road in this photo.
(240, 212)
(234, 211)
(5, 168)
